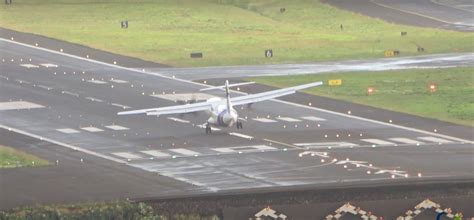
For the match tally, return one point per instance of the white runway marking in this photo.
(48, 65)
(44, 87)
(118, 81)
(28, 65)
(184, 96)
(120, 105)
(406, 140)
(325, 145)
(185, 152)
(378, 141)
(127, 155)
(17, 105)
(116, 127)
(265, 120)
(155, 153)
(212, 128)
(288, 119)
(68, 130)
(94, 99)
(91, 129)
(178, 120)
(97, 81)
(70, 93)
(22, 81)
(435, 139)
(243, 149)
(241, 135)
(313, 118)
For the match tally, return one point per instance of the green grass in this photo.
(229, 32)
(10, 157)
(402, 90)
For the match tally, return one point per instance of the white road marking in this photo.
(44, 87)
(68, 130)
(48, 65)
(120, 105)
(116, 127)
(94, 99)
(70, 93)
(435, 139)
(22, 81)
(205, 85)
(313, 118)
(185, 152)
(212, 128)
(118, 81)
(97, 81)
(127, 155)
(17, 105)
(406, 140)
(91, 129)
(178, 120)
(325, 145)
(265, 120)
(378, 141)
(28, 65)
(288, 119)
(241, 135)
(155, 153)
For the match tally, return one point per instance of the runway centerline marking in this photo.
(120, 105)
(288, 119)
(94, 99)
(48, 65)
(205, 85)
(28, 65)
(97, 81)
(434, 139)
(313, 118)
(118, 81)
(127, 155)
(406, 141)
(264, 120)
(178, 120)
(241, 135)
(92, 129)
(68, 130)
(378, 141)
(18, 105)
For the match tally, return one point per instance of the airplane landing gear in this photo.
(208, 129)
(239, 125)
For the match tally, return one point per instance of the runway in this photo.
(73, 102)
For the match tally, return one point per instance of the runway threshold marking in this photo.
(406, 140)
(435, 139)
(185, 152)
(155, 153)
(92, 129)
(127, 155)
(205, 85)
(377, 141)
(116, 127)
(68, 130)
(18, 105)
(284, 144)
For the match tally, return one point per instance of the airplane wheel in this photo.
(208, 129)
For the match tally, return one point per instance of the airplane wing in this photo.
(242, 100)
(177, 109)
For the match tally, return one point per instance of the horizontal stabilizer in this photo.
(230, 85)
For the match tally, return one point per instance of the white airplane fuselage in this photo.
(221, 115)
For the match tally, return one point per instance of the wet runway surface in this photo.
(73, 103)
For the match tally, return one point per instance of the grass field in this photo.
(10, 158)
(228, 32)
(402, 90)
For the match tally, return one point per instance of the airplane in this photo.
(221, 111)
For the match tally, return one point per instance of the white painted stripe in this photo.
(47, 65)
(44, 87)
(435, 139)
(406, 140)
(17, 105)
(70, 93)
(265, 120)
(378, 141)
(91, 129)
(22, 81)
(4, 77)
(313, 118)
(178, 120)
(94, 99)
(28, 65)
(321, 145)
(127, 155)
(97, 81)
(242, 93)
(118, 81)
(241, 135)
(155, 153)
(224, 150)
(259, 147)
(236, 149)
(288, 119)
(72, 147)
(116, 127)
(120, 105)
(212, 128)
(68, 130)
(185, 152)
